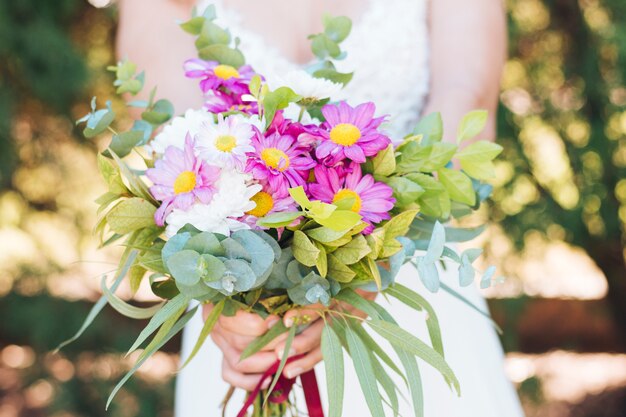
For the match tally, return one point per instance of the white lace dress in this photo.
(388, 48)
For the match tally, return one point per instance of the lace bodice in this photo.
(387, 49)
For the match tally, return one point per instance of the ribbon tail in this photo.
(312, 394)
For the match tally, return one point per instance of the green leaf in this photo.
(303, 249)
(123, 143)
(152, 348)
(405, 191)
(136, 185)
(209, 323)
(384, 163)
(323, 46)
(322, 260)
(324, 234)
(161, 112)
(276, 220)
(471, 125)
(338, 270)
(411, 344)
(436, 244)
(476, 159)
(126, 309)
(375, 273)
(337, 28)
(276, 100)
(211, 268)
(458, 185)
(166, 312)
(130, 215)
(334, 75)
(99, 305)
(111, 175)
(340, 220)
(481, 150)
(283, 361)
(135, 276)
(213, 34)
(299, 196)
(376, 348)
(435, 201)
(428, 273)
(480, 170)
(417, 302)
(222, 54)
(399, 225)
(321, 210)
(99, 120)
(194, 25)
(365, 372)
(260, 342)
(353, 251)
(431, 127)
(333, 362)
(185, 267)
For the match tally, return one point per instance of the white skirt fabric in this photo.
(471, 348)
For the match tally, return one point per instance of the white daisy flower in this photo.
(232, 200)
(175, 132)
(225, 144)
(307, 86)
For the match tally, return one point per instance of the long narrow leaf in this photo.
(157, 320)
(126, 309)
(283, 361)
(163, 331)
(471, 305)
(146, 354)
(385, 381)
(412, 370)
(260, 342)
(209, 323)
(409, 343)
(365, 373)
(375, 348)
(417, 302)
(333, 362)
(97, 308)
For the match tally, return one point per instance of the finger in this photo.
(244, 323)
(238, 341)
(245, 381)
(257, 363)
(303, 315)
(304, 342)
(300, 366)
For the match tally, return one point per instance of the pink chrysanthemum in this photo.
(220, 102)
(214, 75)
(350, 133)
(280, 161)
(372, 200)
(268, 202)
(180, 179)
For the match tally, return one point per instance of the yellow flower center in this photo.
(225, 72)
(346, 193)
(345, 134)
(264, 203)
(275, 158)
(225, 143)
(185, 182)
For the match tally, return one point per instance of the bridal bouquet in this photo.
(275, 196)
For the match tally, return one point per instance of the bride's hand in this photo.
(233, 334)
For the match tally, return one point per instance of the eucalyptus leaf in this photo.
(260, 342)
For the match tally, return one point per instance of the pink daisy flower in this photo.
(220, 102)
(350, 133)
(280, 161)
(180, 179)
(372, 200)
(214, 75)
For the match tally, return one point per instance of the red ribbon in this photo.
(283, 387)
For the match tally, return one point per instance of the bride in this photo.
(411, 57)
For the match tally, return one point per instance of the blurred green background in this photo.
(559, 212)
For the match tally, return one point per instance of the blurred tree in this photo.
(38, 61)
(563, 124)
